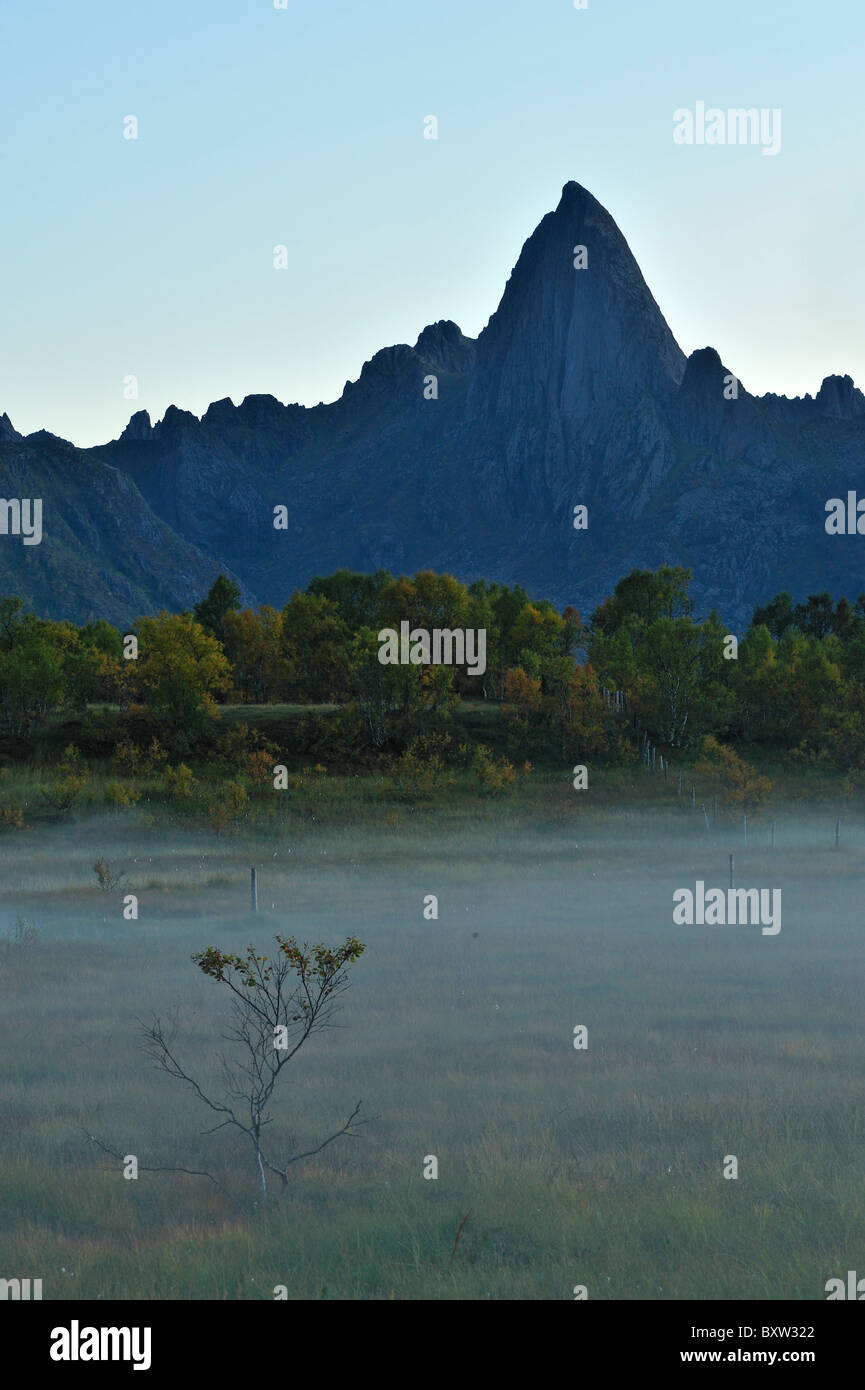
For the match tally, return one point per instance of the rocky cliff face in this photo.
(468, 457)
(104, 552)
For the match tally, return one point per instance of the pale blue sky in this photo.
(304, 127)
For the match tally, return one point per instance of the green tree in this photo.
(180, 671)
(845, 623)
(253, 645)
(315, 644)
(31, 673)
(92, 663)
(755, 685)
(356, 596)
(816, 618)
(11, 617)
(223, 598)
(428, 600)
(396, 702)
(679, 689)
(811, 681)
(776, 616)
(643, 597)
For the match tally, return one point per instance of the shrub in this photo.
(98, 732)
(156, 760)
(258, 767)
(496, 775)
(178, 783)
(11, 818)
(339, 737)
(421, 770)
(230, 808)
(742, 787)
(234, 744)
(107, 879)
(120, 795)
(69, 783)
(128, 757)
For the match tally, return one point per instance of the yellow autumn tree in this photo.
(522, 694)
(179, 673)
(742, 787)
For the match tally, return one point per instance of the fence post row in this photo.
(652, 758)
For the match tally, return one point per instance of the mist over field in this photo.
(432, 678)
(601, 1167)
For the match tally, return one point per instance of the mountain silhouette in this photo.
(467, 456)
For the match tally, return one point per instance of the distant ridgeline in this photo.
(391, 658)
(569, 443)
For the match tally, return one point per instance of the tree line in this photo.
(794, 682)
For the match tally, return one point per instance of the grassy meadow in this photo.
(599, 1167)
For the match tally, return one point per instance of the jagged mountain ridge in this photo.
(575, 392)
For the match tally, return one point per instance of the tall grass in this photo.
(601, 1167)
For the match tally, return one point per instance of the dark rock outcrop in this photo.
(574, 393)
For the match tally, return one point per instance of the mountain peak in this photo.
(139, 426)
(577, 326)
(574, 193)
(390, 371)
(706, 377)
(8, 433)
(46, 437)
(264, 412)
(219, 413)
(703, 361)
(174, 420)
(442, 345)
(840, 399)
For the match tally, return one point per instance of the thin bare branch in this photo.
(346, 1130)
(146, 1168)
